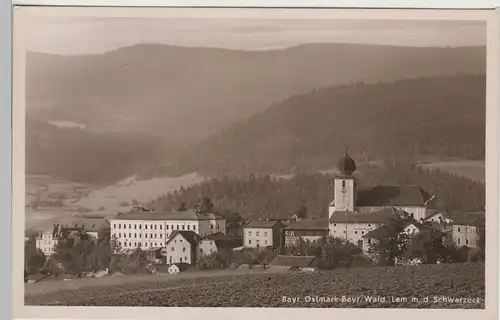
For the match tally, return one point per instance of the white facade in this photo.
(135, 233)
(345, 195)
(464, 235)
(411, 230)
(46, 243)
(173, 269)
(351, 231)
(179, 250)
(258, 237)
(206, 247)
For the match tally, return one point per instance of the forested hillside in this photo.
(408, 119)
(263, 196)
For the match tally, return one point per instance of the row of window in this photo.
(139, 244)
(466, 229)
(466, 242)
(369, 225)
(355, 232)
(258, 241)
(153, 235)
(155, 227)
(257, 233)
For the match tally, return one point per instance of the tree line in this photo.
(263, 196)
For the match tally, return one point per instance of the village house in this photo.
(465, 230)
(357, 210)
(306, 229)
(176, 268)
(153, 229)
(263, 234)
(218, 243)
(460, 227)
(181, 247)
(47, 240)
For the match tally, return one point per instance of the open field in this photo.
(474, 170)
(352, 288)
(104, 201)
(132, 189)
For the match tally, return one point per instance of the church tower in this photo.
(345, 186)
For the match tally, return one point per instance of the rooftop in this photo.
(380, 216)
(190, 236)
(261, 224)
(399, 196)
(176, 215)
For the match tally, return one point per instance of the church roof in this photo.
(380, 216)
(346, 165)
(399, 196)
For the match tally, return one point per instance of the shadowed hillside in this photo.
(408, 119)
(189, 93)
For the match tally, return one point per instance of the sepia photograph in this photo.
(255, 160)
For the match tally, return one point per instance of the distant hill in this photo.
(83, 155)
(186, 94)
(417, 119)
(408, 119)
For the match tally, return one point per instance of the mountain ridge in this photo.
(161, 86)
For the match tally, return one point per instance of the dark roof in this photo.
(176, 215)
(261, 224)
(224, 241)
(399, 196)
(289, 261)
(91, 224)
(346, 165)
(309, 224)
(190, 236)
(380, 216)
(465, 218)
(94, 224)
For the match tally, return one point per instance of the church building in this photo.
(357, 210)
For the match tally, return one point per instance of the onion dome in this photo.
(346, 165)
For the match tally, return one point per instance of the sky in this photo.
(94, 35)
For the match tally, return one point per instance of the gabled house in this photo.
(178, 267)
(307, 230)
(181, 247)
(263, 234)
(218, 243)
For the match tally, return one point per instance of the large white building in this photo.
(152, 229)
